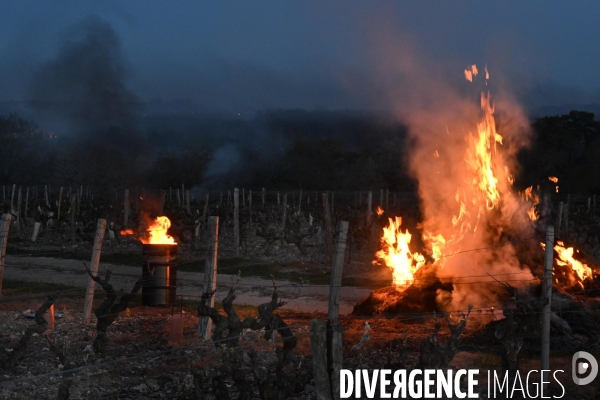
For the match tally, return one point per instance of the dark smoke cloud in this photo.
(82, 90)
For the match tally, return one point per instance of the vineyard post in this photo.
(332, 205)
(336, 338)
(187, 202)
(250, 206)
(46, 191)
(97, 250)
(278, 201)
(12, 198)
(178, 198)
(210, 275)
(589, 205)
(59, 204)
(4, 229)
(284, 217)
(126, 208)
(300, 201)
(18, 221)
(381, 198)
(547, 293)
(387, 198)
(163, 196)
(26, 203)
(318, 348)
(36, 231)
(72, 215)
(566, 220)
(3, 193)
(263, 197)
(328, 228)
(204, 212)
(236, 220)
(559, 214)
(369, 207)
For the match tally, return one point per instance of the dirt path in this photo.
(250, 290)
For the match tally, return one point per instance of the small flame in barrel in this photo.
(156, 233)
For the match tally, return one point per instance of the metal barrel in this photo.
(159, 274)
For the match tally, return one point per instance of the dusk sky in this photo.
(245, 56)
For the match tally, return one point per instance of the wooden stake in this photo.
(369, 207)
(204, 214)
(5, 221)
(236, 220)
(36, 231)
(59, 204)
(332, 206)
(284, 217)
(381, 198)
(244, 198)
(250, 206)
(97, 250)
(210, 274)
(126, 209)
(163, 197)
(566, 220)
(187, 202)
(72, 212)
(178, 198)
(589, 205)
(263, 197)
(559, 214)
(278, 203)
(300, 201)
(328, 227)
(12, 198)
(547, 293)
(26, 203)
(18, 220)
(387, 198)
(318, 349)
(335, 339)
(46, 191)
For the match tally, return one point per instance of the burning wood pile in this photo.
(478, 231)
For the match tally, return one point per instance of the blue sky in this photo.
(269, 54)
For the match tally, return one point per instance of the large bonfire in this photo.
(477, 229)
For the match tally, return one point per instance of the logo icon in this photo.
(582, 367)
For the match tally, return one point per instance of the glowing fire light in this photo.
(565, 257)
(156, 232)
(396, 254)
(379, 210)
(553, 179)
(535, 199)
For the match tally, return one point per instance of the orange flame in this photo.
(156, 233)
(553, 179)
(379, 210)
(479, 154)
(396, 254)
(535, 200)
(565, 257)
